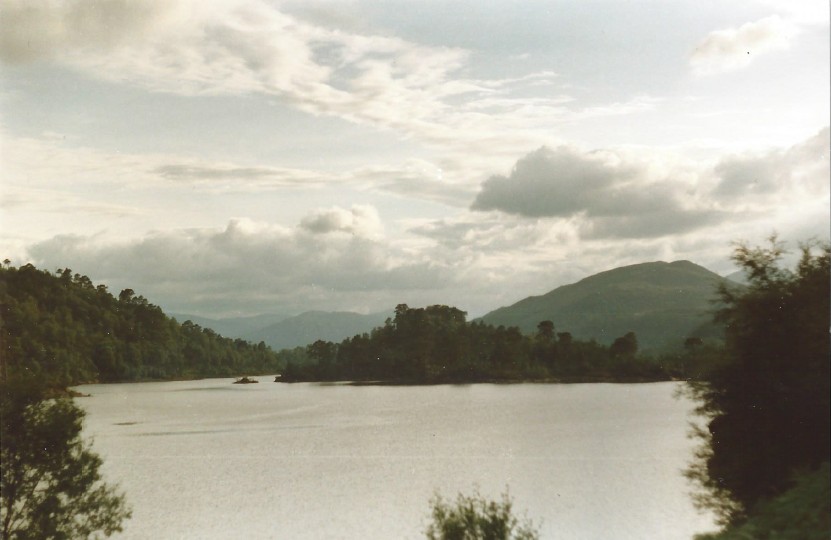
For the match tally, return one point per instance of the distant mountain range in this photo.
(281, 332)
(311, 326)
(233, 327)
(663, 303)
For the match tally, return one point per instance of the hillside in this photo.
(663, 303)
(311, 326)
(64, 330)
(233, 327)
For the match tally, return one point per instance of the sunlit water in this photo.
(209, 459)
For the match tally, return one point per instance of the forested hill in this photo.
(663, 303)
(436, 344)
(65, 330)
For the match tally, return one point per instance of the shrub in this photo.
(472, 517)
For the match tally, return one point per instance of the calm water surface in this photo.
(208, 459)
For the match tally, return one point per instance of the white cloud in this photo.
(237, 47)
(361, 220)
(420, 179)
(608, 193)
(777, 176)
(735, 48)
(55, 162)
(803, 12)
(333, 258)
(338, 258)
(33, 30)
(51, 201)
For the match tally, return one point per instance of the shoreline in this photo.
(547, 380)
(71, 391)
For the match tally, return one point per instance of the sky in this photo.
(231, 158)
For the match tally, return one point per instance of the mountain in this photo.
(739, 276)
(234, 327)
(311, 326)
(663, 303)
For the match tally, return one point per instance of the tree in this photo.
(692, 343)
(767, 400)
(626, 345)
(51, 485)
(545, 330)
(64, 330)
(324, 354)
(474, 518)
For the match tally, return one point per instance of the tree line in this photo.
(437, 344)
(64, 329)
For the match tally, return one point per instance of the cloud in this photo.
(33, 30)
(45, 200)
(262, 177)
(608, 194)
(735, 48)
(361, 220)
(428, 189)
(417, 179)
(55, 162)
(550, 182)
(777, 175)
(496, 235)
(803, 12)
(626, 194)
(334, 258)
(658, 223)
(238, 47)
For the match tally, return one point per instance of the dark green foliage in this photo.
(624, 346)
(475, 518)
(691, 362)
(801, 513)
(51, 487)
(767, 397)
(663, 303)
(64, 330)
(436, 344)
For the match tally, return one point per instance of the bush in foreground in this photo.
(51, 485)
(767, 402)
(471, 517)
(801, 513)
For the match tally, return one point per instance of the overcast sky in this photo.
(255, 156)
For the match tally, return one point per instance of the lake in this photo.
(210, 459)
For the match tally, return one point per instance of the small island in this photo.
(246, 380)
